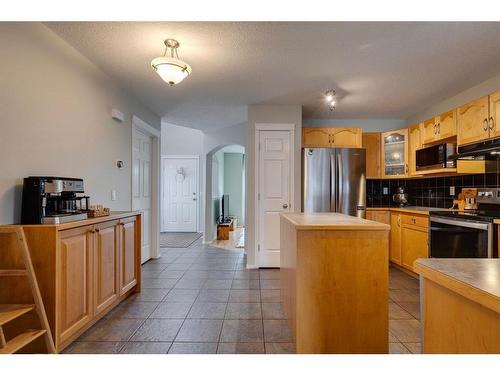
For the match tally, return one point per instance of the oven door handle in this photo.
(460, 229)
(459, 223)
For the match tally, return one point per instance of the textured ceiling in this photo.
(380, 70)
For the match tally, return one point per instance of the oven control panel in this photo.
(488, 195)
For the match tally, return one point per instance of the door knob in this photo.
(285, 206)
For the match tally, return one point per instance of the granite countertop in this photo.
(476, 279)
(331, 221)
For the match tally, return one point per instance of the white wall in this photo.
(368, 125)
(56, 119)
(179, 140)
(475, 92)
(262, 114)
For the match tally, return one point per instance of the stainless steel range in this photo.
(468, 234)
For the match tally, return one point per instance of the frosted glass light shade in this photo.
(170, 69)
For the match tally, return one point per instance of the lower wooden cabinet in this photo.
(74, 289)
(380, 216)
(84, 271)
(409, 238)
(395, 239)
(413, 245)
(128, 264)
(106, 265)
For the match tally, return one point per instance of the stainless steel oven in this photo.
(452, 237)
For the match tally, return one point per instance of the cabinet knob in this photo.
(439, 128)
(435, 128)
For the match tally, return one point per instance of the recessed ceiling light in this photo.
(171, 69)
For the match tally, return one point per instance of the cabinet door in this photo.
(414, 143)
(106, 261)
(472, 121)
(494, 119)
(347, 137)
(379, 216)
(395, 246)
(446, 124)
(371, 142)
(395, 153)
(129, 251)
(316, 137)
(74, 275)
(429, 131)
(413, 245)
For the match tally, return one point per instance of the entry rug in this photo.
(178, 239)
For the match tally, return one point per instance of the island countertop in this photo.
(475, 279)
(331, 221)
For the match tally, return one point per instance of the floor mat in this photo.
(178, 239)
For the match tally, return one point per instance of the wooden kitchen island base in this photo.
(334, 282)
(83, 268)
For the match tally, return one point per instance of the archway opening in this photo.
(225, 210)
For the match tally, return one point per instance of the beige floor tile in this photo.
(405, 330)
(193, 348)
(397, 312)
(241, 348)
(404, 295)
(80, 347)
(242, 331)
(280, 348)
(145, 348)
(413, 347)
(412, 307)
(397, 348)
(158, 330)
(112, 330)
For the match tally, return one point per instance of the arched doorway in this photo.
(225, 194)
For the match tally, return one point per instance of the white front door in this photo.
(274, 192)
(180, 194)
(142, 185)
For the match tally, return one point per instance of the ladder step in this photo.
(10, 312)
(21, 341)
(6, 273)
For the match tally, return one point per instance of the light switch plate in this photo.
(113, 195)
(385, 190)
(452, 190)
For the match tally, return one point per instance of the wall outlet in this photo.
(385, 190)
(113, 195)
(452, 190)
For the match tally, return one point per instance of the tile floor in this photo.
(203, 300)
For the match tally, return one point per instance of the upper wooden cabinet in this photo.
(472, 121)
(414, 143)
(439, 127)
(332, 137)
(395, 153)
(316, 137)
(371, 142)
(494, 118)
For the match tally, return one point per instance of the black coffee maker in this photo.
(53, 200)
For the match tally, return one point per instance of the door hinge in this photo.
(258, 196)
(258, 247)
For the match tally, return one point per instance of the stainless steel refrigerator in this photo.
(334, 180)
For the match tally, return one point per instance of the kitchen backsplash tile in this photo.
(427, 192)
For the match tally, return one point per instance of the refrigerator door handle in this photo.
(333, 184)
(339, 182)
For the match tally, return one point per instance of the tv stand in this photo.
(224, 227)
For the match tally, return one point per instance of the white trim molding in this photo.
(270, 127)
(138, 124)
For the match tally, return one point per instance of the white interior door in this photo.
(180, 194)
(142, 186)
(274, 192)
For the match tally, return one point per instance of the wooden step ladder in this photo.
(15, 262)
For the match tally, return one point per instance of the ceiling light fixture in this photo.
(330, 99)
(170, 68)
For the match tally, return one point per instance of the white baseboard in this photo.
(252, 267)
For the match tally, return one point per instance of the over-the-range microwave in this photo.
(435, 157)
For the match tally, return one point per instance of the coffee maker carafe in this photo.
(53, 200)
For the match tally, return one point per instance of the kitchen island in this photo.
(334, 282)
(460, 305)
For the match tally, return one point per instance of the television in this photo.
(225, 208)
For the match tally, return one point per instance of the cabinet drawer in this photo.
(417, 220)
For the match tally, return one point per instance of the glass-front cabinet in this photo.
(395, 153)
